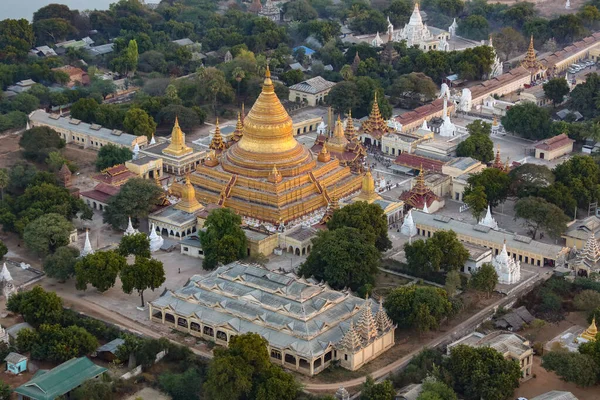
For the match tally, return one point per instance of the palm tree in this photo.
(238, 74)
(3, 181)
(346, 72)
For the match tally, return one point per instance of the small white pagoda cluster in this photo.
(415, 32)
(447, 129)
(507, 268)
(408, 226)
(130, 230)
(368, 329)
(488, 220)
(6, 282)
(87, 246)
(497, 67)
(3, 335)
(588, 258)
(156, 240)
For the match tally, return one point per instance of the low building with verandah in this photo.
(306, 323)
(555, 147)
(313, 91)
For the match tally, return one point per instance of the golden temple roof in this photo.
(338, 141)
(217, 142)
(591, 332)
(324, 155)
(375, 125)
(267, 140)
(530, 61)
(177, 147)
(367, 191)
(274, 176)
(350, 131)
(188, 202)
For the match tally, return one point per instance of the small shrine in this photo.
(375, 127)
(130, 230)
(488, 220)
(507, 268)
(270, 11)
(156, 240)
(408, 226)
(421, 197)
(217, 144)
(588, 258)
(447, 128)
(87, 246)
(590, 333)
(333, 206)
(6, 282)
(531, 63)
(349, 153)
(238, 133)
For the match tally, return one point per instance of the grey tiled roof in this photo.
(122, 139)
(313, 85)
(290, 312)
(555, 395)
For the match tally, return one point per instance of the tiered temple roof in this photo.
(530, 62)
(367, 191)
(217, 144)
(589, 256)
(239, 131)
(375, 126)
(238, 178)
(383, 321)
(591, 332)
(367, 328)
(349, 153)
(177, 147)
(188, 202)
(350, 130)
(420, 196)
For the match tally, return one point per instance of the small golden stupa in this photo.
(591, 332)
(217, 144)
(188, 202)
(177, 147)
(367, 191)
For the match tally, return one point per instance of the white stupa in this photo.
(87, 246)
(507, 268)
(408, 226)
(27, 127)
(136, 151)
(465, 103)
(452, 28)
(425, 126)
(488, 220)
(153, 141)
(156, 241)
(130, 230)
(321, 128)
(377, 42)
(444, 91)
(568, 5)
(6, 282)
(425, 210)
(3, 335)
(498, 66)
(447, 129)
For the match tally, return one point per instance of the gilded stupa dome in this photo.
(267, 140)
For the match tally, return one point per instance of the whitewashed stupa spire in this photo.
(156, 241)
(87, 246)
(408, 226)
(130, 230)
(5, 275)
(488, 220)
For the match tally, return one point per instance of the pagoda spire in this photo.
(338, 141)
(375, 124)
(5, 275)
(255, 7)
(129, 230)
(87, 246)
(332, 207)
(367, 191)
(498, 160)
(239, 130)
(356, 62)
(188, 202)
(591, 332)
(350, 131)
(530, 61)
(324, 155)
(351, 340)
(367, 328)
(383, 321)
(217, 142)
(177, 147)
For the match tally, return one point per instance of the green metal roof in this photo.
(49, 385)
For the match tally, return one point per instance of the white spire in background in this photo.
(152, 141)
(425, 210)
(156, 241)
(5, 275)
(488, 220)
(87, 247)
(130, 230)
(408, 226)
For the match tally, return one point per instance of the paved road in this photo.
(469, 324)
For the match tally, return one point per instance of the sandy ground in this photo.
(550, 8)
(10, 152)
(149, 394)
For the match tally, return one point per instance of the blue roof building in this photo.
(307, 50)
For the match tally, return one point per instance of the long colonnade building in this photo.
(307, 324)
(267, 174)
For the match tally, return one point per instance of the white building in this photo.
(447, 129)
(488, 220)
(416, 33)
(507, 268)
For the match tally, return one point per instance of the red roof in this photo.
(102, 192)
(554, 143)
(416, 162)
(435, 106)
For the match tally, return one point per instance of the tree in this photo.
(478, 145)
(477, 201)
(223, 240)
(85, 109)
(61, 264)
(188, 117)
(403, 305)
(137, 244)
(111, 155)
(186, 386)
(52, 30)
(55, 343)
(572, 367)
(495, 182)
(145, 273)
(138, 122)
(528, 121)
(377, 391)
(93, 389)
(213, 85)
(537, 214)
(37, 306)
(509, 42)
(99, 269)
(136, 199)
(47, 233)
(556, 89)
(443, 251)
(482, 373)
(343, 257)
(369, 219)
(16, 39)
(5, 391)
(103, 86)
(474, 27)
(452, 282)
(299, 10)
(244, 371)
(4, 181)
(587, 300)
(580, 176)
(292, 77)
(484, 279)
(343, 97)
(37, 142)
(25, 102)
(436, 390)
(528, 179)
(413, 89)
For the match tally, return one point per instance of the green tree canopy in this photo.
(580, 175)
(417, 307)
(484, 279)
(528, 179)
(477, 201)
(369, 219)
(244, 371)
(139, 123)
(137, 244)
(55, 343)
(509, 42)
(495, 182)
(136, 199)
(578, 368)
(556, 89)
(61, 264)
(377, 391)
(343, 257)
(478, 145)
(528, 121)
(99, 269)
(37, 306)
(145, 273)
(474, 27)
(443, 251)
(436, 390)
(412, 90)
(111, 155)
(185, 386)
(223, 240)
(47, 233)
(37, 142)
(538, 214)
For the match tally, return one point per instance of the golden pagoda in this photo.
(498, 164)
(367, 191)
(350, 131)
(375, 126)
(239, 131)
(420, 196)
(267, 175)
(338, 141)
(324, 155)
(188, 202)
(591, 332)
(349, 153)
(177, 147)
(531, 63)
(217, 144)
